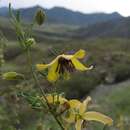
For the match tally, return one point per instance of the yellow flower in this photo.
(56, 99)
(78, 114)
(63, 65)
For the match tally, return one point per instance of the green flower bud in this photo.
(40, 17)
(12, 76)
(29, 42)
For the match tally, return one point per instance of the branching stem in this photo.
(42, 91)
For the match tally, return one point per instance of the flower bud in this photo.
(12, 76)
(40, 17)
(29, 42)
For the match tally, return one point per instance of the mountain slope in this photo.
(4, 11)
(65, 16)
(112, 28)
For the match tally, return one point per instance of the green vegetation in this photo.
(111, 60)
(114, 99)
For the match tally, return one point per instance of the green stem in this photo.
(105, 126)
(21, 38)
(42, 91)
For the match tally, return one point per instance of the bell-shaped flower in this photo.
(63, 65)
(79, 114)
(55, 99)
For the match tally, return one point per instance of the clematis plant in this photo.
(55, 99)
(62, 66)
(78, 114)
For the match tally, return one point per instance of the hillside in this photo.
(65, 16)
(112, 28)
(67, 23)
(48, 32)
(114, 100)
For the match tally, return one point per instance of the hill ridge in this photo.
(65, 16)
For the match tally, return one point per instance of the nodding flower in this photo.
(63, 65)
(79, 114)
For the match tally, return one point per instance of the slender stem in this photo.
(105, 126)
(21, 38)
(42, 91)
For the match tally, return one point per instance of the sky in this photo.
(85, 6)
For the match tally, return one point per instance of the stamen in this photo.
(64, 65)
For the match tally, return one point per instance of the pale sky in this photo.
(86, 6)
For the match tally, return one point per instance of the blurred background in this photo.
(102, 28)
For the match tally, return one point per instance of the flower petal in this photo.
(68, 57)
(80, 66)
(74, 103)
(52, 74)
(70, 116)
(49, 98)
(55, 99)
(84, 105)
(55, 60)
(96, 116)
(78, 125)
(80, 54)
(41, 67)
